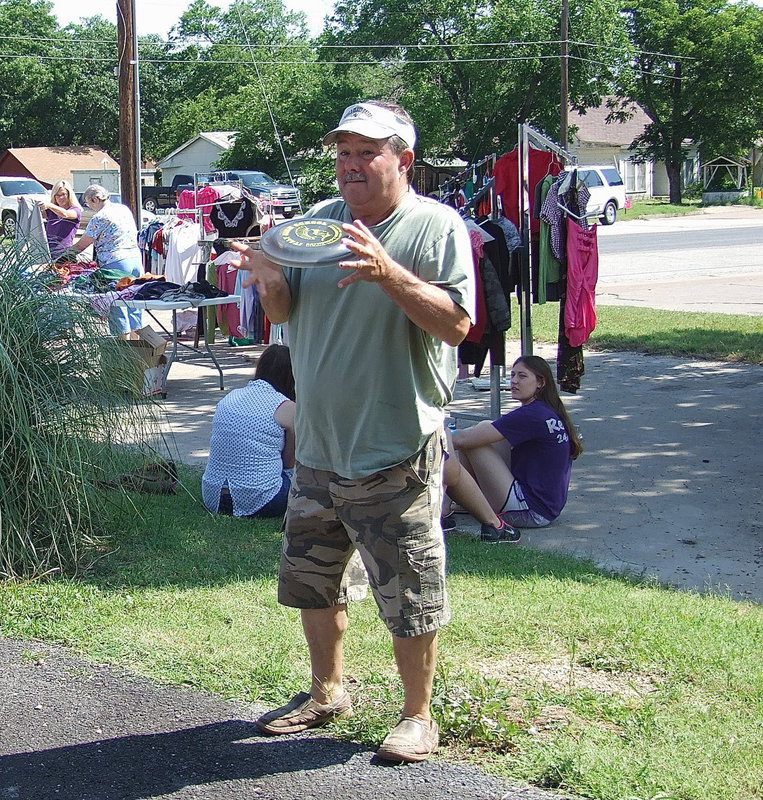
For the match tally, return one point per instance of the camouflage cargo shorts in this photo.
(392, 520)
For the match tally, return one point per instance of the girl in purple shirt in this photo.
(522, 461)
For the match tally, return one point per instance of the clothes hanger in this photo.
(570, 213)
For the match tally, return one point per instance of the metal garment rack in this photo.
(495, 369)
(527, 137)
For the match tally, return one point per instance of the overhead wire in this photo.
(303, 62)
(267, 104)
(315, 46)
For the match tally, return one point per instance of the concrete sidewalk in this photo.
(669, 485)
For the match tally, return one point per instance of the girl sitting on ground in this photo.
(461, 488)
(251, 452)
(522, 462)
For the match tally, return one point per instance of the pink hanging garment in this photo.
(582, 274)
(228, 314)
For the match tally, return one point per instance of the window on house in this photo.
(634, 176)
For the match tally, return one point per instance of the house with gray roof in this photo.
(596, 141)
(199, 155)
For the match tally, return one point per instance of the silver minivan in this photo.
(607, 191)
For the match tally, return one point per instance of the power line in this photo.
(396, 62)
(314, 46)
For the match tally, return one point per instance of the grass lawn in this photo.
(552, 671)
(689, 334)
(641, 209)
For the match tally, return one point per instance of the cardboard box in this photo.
(153, 378)
(150, 345)
(149, 360)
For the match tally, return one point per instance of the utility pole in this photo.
(565, 61)
(129, 107)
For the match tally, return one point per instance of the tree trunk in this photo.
(673, 168)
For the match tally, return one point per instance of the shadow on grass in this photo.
(175, 541)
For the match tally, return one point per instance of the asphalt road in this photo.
(722, 242)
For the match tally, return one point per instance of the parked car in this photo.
(153, 197)
(87, 213)
(283, 199)
(10, 190)
(607, 191)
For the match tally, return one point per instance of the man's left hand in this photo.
(373, 263)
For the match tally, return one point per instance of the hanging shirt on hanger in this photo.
(506, 172)
(582, 274)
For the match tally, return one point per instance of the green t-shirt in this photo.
(371, 385)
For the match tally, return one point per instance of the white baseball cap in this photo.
(374, 122)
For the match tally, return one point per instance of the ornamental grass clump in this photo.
(72, 419)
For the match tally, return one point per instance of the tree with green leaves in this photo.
(58, 86)
(25, 79)
(698, 75)
(250, 69)
(469, 71)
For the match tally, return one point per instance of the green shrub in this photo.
(72, 419)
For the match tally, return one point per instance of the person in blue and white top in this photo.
(114, 236)
(251, 452)
(523, 461)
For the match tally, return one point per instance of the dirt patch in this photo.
(562, 676)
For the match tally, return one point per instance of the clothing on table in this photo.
(375, 384)
(582, 274)
(130, 280)
(245, 450)
(62, 232)
(115, 234)
(541, 455)
(153, 290)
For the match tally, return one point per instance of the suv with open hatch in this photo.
(10, 190)
(607, 191)
(283, 199)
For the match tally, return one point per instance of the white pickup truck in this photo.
(10, 189)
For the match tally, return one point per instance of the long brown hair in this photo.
(549, 394)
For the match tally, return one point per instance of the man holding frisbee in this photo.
(373, 341)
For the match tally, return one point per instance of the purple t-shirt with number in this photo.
(541, 455)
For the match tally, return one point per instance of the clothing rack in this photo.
(488, 188)
(455, 180)
(495, 369)
(528, 136)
